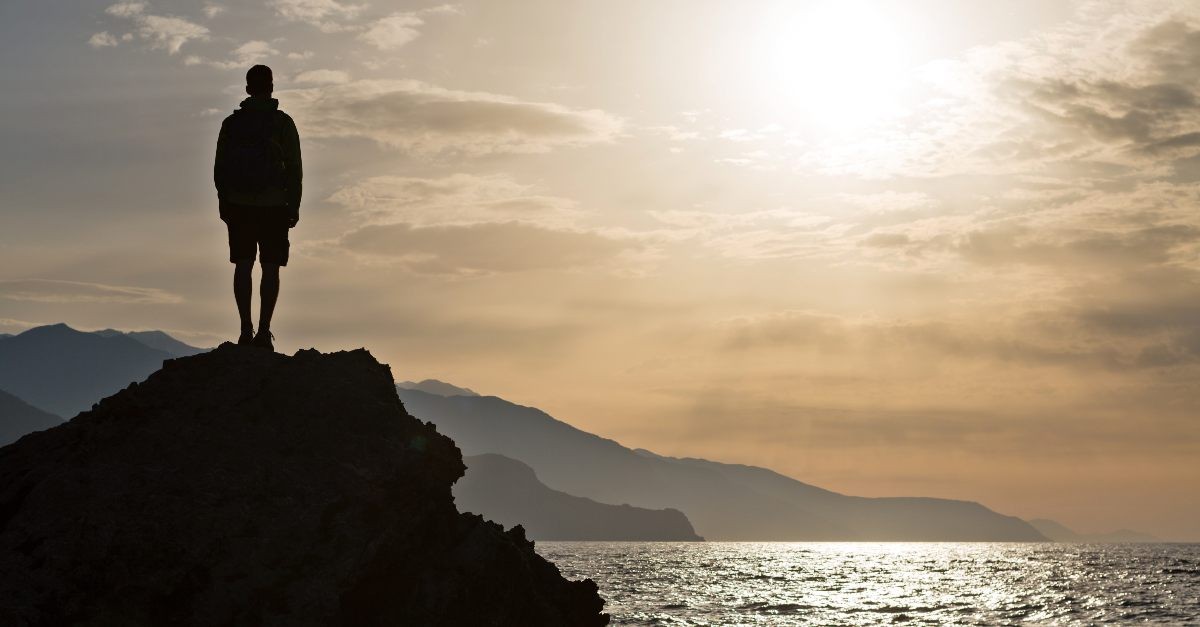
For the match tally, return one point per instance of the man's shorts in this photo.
(257, 230)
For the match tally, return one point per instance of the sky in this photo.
(888, 247)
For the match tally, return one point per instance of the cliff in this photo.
(508, 492)
(244, 487)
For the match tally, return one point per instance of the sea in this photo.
(828, 583)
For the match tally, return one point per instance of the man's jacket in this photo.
(283, 131)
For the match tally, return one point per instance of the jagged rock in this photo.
(243, 487)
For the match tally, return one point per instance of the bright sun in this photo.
(830, 65)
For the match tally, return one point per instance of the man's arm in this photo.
(295, 167)
(219, 169)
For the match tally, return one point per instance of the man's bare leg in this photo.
(268, 291)
(243, 291)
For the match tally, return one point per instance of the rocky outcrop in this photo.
(507, 491)
(244, 487)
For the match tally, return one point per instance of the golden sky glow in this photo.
(888, 247)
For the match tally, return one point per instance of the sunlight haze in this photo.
(885, 247)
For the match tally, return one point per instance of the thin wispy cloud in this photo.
(482, 248)
(53, 291)
(321, 77)
(455, 199)
(413, 115)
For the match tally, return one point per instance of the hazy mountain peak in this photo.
(157, 340)
(63, 370)
(58, 329)
(433, 386)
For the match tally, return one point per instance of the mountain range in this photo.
(1059, 532)
(564, 479)
(723, 501)
(64, 371)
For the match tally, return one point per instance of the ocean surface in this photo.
(750, 583)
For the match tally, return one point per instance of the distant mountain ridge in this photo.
(1059, 532)
(508, 492)
(158, 340)
(64, 371)
(723, 501)
(433, 386)
(18, 418)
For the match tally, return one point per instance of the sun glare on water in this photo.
(833, 66)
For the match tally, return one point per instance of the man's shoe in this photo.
(263, 340)
(246, 338)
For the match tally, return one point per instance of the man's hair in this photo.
(259, 79)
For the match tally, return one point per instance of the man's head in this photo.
(260, 81)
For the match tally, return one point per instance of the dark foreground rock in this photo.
(242, 487)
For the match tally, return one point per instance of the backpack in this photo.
(254, 161)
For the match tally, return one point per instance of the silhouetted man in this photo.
(258, 175)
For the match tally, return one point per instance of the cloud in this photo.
(102, 40)
(862, 344)
(321, 77)
(126, 9)
(241, 57)
(482, 248)
(252, 52)
(1137, 99)
(1138, 117)
(420, 117)
(393, 31)
(212, 10)
(170, 33)
(50, 291)
(320, 13)
(1170, 49)
(163, 32)
(1123, 250)
(454, 199)
(398, 29)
